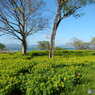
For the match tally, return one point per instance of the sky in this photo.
(82, 28)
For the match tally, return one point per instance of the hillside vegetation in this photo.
(68, 73)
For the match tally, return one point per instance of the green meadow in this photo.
(70, 72)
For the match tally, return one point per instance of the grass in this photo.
(37, 75)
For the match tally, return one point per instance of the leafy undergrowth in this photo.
(62, 75)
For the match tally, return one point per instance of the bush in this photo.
(23, 75)
(2, 46)
(63, 53)
(39, 53)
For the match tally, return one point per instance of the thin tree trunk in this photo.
(24, 46)
(57, 21)
(52, 41)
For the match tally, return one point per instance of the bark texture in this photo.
(57, 21)
(24, 46)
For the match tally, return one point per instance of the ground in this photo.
(38, 75)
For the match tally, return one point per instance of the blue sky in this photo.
(82, 28)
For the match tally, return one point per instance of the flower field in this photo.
(38, 75)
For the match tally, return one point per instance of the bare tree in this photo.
(92, 43)
(21, 18)
(65, 8)
(79, 44)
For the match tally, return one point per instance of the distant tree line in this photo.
(81, 45)
(76, 43)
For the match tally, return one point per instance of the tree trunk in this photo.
(52, 41)
(57, 21)
(24, 46)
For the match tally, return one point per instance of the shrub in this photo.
(23, 75)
